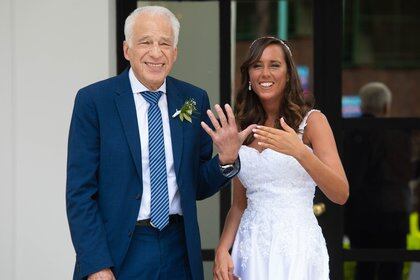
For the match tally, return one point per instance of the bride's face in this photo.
(268, 75)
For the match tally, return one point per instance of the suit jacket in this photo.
(378, 167)
(104, 176)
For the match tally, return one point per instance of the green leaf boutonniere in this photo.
(187, 110)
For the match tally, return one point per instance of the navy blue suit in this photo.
(104, 176)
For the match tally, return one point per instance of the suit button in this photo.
(138, 196)
(130, 233)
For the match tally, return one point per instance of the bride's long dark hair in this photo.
(248, 108)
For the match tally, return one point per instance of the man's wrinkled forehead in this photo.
(149, 24)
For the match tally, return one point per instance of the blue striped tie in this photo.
(159, 209)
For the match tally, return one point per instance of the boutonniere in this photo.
(187, 110)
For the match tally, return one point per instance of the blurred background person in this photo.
(377, 163)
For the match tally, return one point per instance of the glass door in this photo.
(381, 139)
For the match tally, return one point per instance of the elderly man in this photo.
(139, 158)
(375, 99)
(377, 162)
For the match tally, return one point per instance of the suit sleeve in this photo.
(211, 179)
(86, 226)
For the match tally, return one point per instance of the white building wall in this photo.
(7, 192)
(49, 49)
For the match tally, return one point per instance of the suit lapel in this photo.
(124, 101)
(175, 102)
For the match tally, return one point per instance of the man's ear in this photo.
(176, 54)
(125, 50)
(385, 110)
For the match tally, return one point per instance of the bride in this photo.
(270, 226)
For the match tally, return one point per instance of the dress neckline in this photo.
(260, 153)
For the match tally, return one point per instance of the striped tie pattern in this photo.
(159, 209)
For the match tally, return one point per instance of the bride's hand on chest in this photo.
(284, 141)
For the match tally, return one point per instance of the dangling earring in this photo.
(249, 86)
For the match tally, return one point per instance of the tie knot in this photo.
(152, 96)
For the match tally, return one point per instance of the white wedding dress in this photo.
(278, 236)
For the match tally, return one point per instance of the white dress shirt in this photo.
(141, 108)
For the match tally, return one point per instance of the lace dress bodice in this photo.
(276, 182)
(276, 178)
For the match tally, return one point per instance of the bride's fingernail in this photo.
(254, 130)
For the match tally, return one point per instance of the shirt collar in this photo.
(138, 87)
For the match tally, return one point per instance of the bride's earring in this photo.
(249, 85)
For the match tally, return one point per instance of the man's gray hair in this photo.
(154, 10)
(374, 97)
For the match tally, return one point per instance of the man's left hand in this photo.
(225, 135)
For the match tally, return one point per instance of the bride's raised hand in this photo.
(283, 141)
(223, 265)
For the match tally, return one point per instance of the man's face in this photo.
(151, 49)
